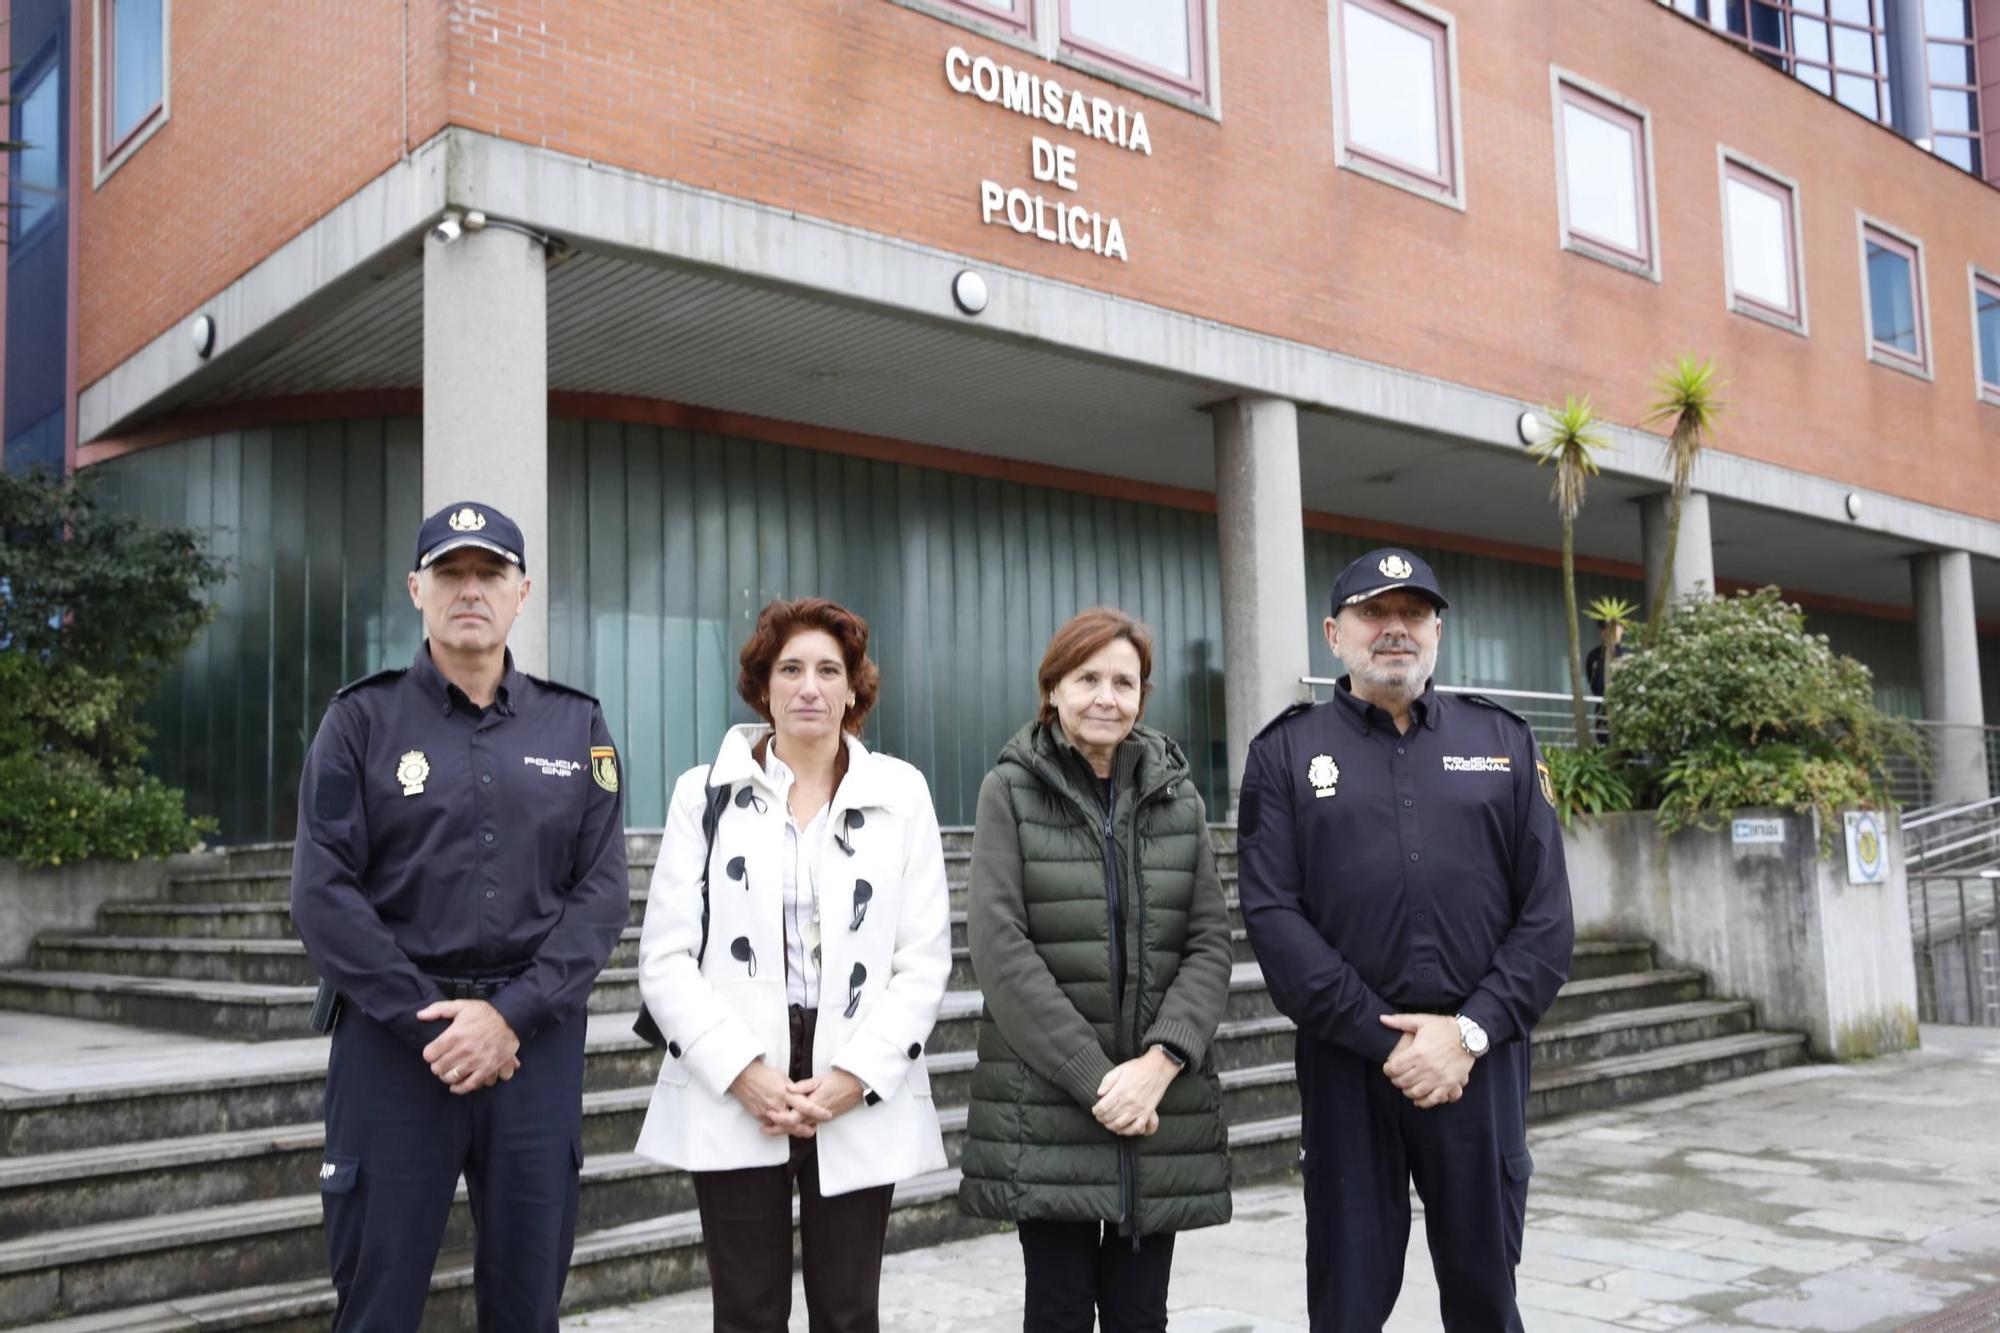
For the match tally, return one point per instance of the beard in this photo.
(1406, 679)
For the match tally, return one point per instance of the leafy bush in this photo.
(95, 607)
(1737, 705)
(1587, 782)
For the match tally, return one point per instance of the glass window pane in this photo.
(1816, 77)
(1759, 246)
(1854, 49)
(1808, 7)
(1948, 18)
(37, 167)
(1856, 11)
(1950, 64)
(1152, 32)
(1892, 309)
(1809, 37)
(1952, 111)
(135, 45)
(1961, 153)
(1989, 336)
(1858, 94)
(1598, 164)
(1391, 90)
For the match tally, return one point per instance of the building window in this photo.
(35, 172)
(1396, 104)
(1015, 15)
(1892, 270)
(1837, 46)
(1949, 45)
(1986, 332)
(1155, 39)
(1760, 238)
(1606, 163)
(132, 71)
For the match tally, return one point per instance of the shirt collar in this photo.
(1361, 714)
(449, 696)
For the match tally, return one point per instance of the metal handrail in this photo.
(1940, 812)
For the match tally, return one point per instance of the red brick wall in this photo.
(839, 109)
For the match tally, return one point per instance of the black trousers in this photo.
(1365, 1143)
(397, 1141)
(746, 1227)
(1080, 1272)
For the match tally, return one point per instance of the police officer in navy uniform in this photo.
(459, 881)
(1403, 886)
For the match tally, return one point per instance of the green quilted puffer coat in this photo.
(1044, 852)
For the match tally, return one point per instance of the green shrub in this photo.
(95, 607)
(1587, 782)
(1737, 705)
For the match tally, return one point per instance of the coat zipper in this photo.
(1127, 1166)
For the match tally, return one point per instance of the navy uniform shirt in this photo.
(1403, 873)
(439, 839)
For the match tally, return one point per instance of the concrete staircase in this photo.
(192, 1202)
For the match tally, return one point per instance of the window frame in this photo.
(1041, 31)
(1566, 86)
(1732, 165)
(1443, 189)
(1897, 239)
(1982, 283)
(108, 157)
(46, 63)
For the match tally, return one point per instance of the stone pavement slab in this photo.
(1835, 1199)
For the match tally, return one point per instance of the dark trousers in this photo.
(1365, 1143)
(397, 1141)
(1080, 1271)
(746, 1226)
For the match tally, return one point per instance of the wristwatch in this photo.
(1178, 1060)
(1472, 1037)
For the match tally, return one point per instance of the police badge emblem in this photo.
(1395, 567)
(1548, 783)
(467, 519)
(1322, 773)
(604, 766)
(413, 770)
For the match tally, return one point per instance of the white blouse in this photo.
(801, 861)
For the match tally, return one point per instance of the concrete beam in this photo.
(486, 398)
(1262, 531)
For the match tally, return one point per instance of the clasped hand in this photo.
(476, 1051)
(1430, 1065)
(780, 1106)
(1128, 1098)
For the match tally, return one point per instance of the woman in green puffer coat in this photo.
(1101, 942)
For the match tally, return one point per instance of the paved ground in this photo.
(1827, 1199)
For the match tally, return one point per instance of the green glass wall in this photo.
(664, 544)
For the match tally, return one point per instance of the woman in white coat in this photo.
(796, 965)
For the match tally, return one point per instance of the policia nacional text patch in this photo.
(604, 766)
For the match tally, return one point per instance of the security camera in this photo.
(447, 230)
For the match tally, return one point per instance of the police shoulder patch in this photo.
(604, 766)
(382, 677)
(1485, 702)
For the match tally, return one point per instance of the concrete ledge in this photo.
(1774, 923)
(66, 898)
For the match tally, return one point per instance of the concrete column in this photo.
(1909, 70)
(486, 397)
(1694, 563)
(1261, 517)
(1948, 661)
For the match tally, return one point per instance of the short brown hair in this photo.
(1081, 638)
(778, 623)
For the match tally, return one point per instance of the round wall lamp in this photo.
(1531, 428)
(1854, 504)
(201, 332)
(968, 292)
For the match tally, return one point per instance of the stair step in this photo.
(1632, 1031)
(1629, 990)
(166, 1260)
(1622, 1079)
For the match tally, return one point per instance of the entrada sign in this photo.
(1051, 219)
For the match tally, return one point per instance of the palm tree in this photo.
(1687, 398)
(1570, 440)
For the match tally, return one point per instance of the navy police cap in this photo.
(1385, 570)
(469, 523)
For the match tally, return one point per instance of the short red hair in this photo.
(1085, 635)
(778, 624)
